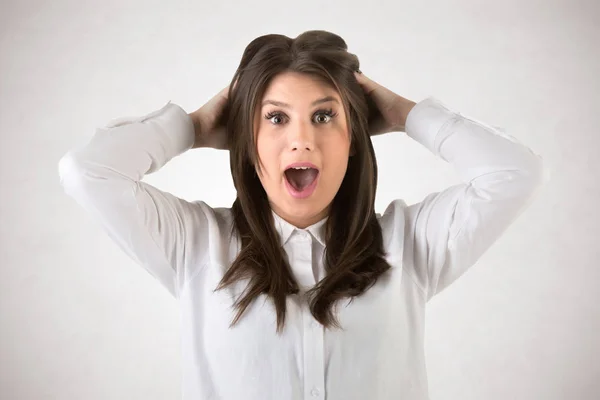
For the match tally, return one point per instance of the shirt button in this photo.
(315, 392)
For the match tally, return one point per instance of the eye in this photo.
(320, 117)
(329, 114)
(272, 115)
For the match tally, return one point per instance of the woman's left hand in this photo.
(387, 110)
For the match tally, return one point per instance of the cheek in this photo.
(268, 153)
(335, 156)
(338, 146)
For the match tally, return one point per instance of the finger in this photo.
(361, 79)
(367, 84)
(225, 91)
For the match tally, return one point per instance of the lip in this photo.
(301, 164)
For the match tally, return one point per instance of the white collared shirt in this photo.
(187, 247)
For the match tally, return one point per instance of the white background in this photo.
(79, 320)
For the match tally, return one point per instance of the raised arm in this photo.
(104, 177)
(448, 231)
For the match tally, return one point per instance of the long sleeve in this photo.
(448, 231)
(104, 177)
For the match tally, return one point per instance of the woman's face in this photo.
(301, 120)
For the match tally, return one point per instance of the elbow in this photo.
(539, 172)
(67, 166)
(71, 170)
(534, 177)
(522, 183)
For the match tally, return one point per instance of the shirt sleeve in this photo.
(104, 177)
(448, 231)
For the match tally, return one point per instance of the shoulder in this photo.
(210, 220)
(207, 228)
(393, 223)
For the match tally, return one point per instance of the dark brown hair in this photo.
(354, 255)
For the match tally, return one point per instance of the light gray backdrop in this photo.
(79, 320)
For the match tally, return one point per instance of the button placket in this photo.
(300, 250)
(314, 362)
(314, 370)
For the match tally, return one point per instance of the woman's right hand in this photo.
(210, 122)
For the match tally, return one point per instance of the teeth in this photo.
(301, 167)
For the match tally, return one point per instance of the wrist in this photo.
(404, 109)
(197, 123)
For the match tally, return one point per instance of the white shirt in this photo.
(187, 247)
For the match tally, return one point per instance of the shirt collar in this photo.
(285, 229)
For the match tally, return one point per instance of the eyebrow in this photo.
(314, 103)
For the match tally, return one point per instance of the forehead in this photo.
(290, 86)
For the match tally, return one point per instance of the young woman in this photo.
(300, 290)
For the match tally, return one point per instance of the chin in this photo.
(304, 209)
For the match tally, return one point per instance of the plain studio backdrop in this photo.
(80, 320)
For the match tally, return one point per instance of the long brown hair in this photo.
(354, 254)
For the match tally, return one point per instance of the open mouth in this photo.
(301, 180)
(301, 177)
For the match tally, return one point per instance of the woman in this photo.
(347, 287)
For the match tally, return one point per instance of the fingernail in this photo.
(359, 71)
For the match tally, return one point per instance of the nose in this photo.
(302, 137)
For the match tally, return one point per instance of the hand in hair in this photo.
(210, 122)
(391, 108)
